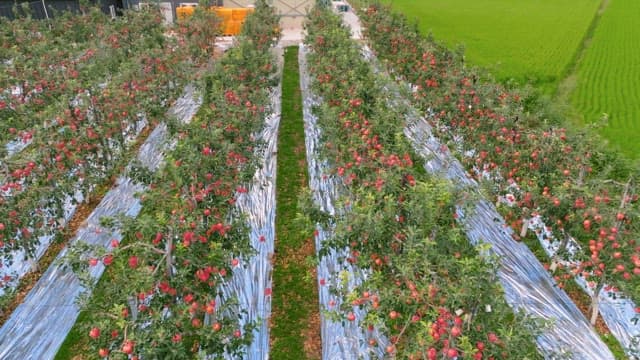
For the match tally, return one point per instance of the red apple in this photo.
(452, 353)
(432, 354)
(455, 331)
(127, 348)
(493, 338)
(157, 239)
(351, 316)
(133, 262)
(196, 322)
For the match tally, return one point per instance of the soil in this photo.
(583, 302)
(313, 342)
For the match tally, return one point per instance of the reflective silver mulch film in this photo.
(37, 328)
(340, 340)
(251, 281)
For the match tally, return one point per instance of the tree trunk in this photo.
(564, 243)
(133, 306)
(169, 259)
(562, 248)
(595, 303)
(581, 176)
(525, 227)
(34, 265)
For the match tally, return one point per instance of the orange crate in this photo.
(183, 12)
(239, 14)
(231, 27)
(225, 14)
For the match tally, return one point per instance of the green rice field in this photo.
(528, 40)
(543, 42)
(608, 76)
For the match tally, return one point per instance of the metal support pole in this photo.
(44, 6)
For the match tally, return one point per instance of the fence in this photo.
(43, 9)
(46, 9)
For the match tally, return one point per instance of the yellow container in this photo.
(236, 27)
(183, 12)
(239, 14)
(231, 28)
(225, 14)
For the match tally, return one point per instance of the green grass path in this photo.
(295, 317)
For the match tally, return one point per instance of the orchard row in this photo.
(428, 290)
(75, 96)
(163, 292)
(534, 167)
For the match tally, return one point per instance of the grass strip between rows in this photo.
(295, 320)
